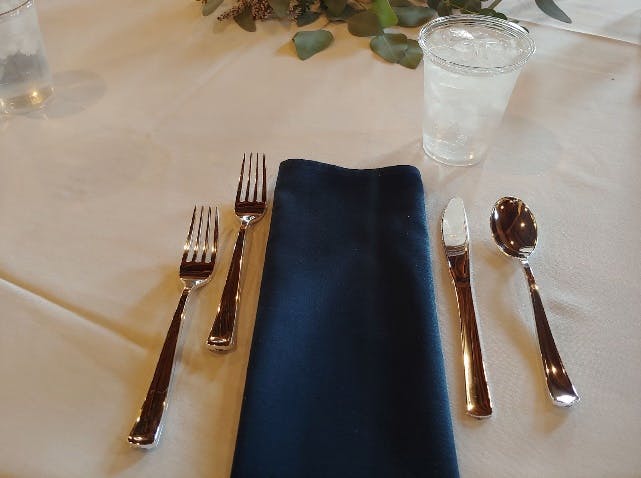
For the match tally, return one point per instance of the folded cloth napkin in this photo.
(345, 376)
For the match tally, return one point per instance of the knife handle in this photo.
(477, 393)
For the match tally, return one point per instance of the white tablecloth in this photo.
(155, 106)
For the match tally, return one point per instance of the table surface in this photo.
(154, 108)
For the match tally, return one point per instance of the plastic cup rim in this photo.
(15, 9)
(505, 25)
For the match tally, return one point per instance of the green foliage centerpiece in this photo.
(364, 18)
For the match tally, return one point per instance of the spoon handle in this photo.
(561, 389)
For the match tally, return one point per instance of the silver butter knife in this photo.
(456, 241)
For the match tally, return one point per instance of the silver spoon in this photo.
(514, 230)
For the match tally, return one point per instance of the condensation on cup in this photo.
(471, 63)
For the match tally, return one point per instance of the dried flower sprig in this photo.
(259, 9)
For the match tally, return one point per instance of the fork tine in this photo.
(214, 247)
(200, 226)
(249, 176)
(189, 236)
(240, 180)
(206, 243)
(256, 180)
(264, 180)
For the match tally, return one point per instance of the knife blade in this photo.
(456, 241)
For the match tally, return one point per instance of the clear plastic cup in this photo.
(25, 78)
(471, 63)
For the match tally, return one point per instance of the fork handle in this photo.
(146, 431)
(223, 332)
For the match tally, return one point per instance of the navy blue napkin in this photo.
(345, 376)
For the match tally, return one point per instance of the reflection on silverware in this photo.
(514, 230)
(249, 210)
(196, 269)
(456, 243)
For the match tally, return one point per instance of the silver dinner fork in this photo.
(196, 269)
(249, 210)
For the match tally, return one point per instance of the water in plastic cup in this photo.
(25, 78)
(471, 64)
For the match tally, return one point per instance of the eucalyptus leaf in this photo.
(345, 15)
(307, 18)
(552, 9)
(245, 20)
(492, 13)
(348, 12)
(444, 8)
(335, 7)
(413, 55)
(364, 24)
(309, 43)
(386, 15)
(472, 5)
(210, 6)
(413, 16)
(389, 46)
(280, 7)
(400, 3)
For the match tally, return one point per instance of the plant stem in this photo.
(494, 4)
(360, 4)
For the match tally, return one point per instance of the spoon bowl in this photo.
(513, 227)
(515, 233)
